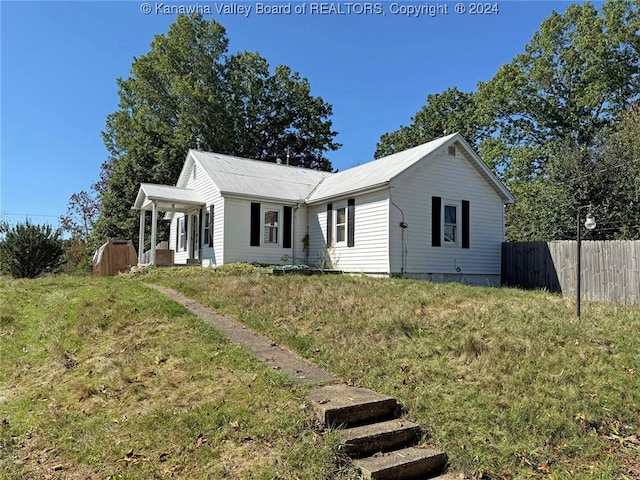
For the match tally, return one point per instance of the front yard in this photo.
(106, 377)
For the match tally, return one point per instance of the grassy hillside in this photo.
(106, 378)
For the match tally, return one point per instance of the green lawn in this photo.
(107, 378)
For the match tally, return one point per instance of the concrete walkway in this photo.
(300, 371)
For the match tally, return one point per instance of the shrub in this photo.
(29, 250)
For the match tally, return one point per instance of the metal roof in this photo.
(286, 184)
(167, 198)
(258, 179)
(373, 174)
(379, 173)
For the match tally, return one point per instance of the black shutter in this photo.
(329, 223)
(351, 222)
(436, 220)
(200, 231)
(254, 235)
(287, 224)
(211, 225)
(465, 224)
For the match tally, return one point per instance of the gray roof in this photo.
(168, 198)
(259, 179)
(374, 174)
(281, 183)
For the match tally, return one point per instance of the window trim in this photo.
(264, 226)
(182, 234)
(349, 206)
(458, 226)
(205, 228)
(336, 225)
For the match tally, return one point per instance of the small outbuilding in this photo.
(115, 256)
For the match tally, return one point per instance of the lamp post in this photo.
(589, 224)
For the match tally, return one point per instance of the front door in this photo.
(194, 248)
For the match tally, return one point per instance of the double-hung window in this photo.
(450, 222)
(205, 237)
(450, 229)
(182, 233)
(270, 227)
(341, 224)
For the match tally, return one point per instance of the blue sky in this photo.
(60, 61)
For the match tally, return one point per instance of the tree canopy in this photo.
(29, 250)
(189, 91)
(556, 124)
(444, 113)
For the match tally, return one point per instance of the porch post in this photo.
(154, 228)
(141, 237)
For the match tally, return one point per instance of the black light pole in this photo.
(590, 224)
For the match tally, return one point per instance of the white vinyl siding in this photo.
(237, 230)
(454, 179)
(370, 253)
(210, 256)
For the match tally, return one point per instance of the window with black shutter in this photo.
(436, 216)
(287, 224)
(329, 224)
(254, 234)
(351, 222)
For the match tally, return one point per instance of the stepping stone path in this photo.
(382, 444)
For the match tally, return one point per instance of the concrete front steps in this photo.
(382, 445)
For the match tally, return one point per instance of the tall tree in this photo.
(186, 88)
(577, 74)
(78, 222)
(550, 109)
(447, 112)
(82, 211)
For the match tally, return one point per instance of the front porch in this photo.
(167, 199)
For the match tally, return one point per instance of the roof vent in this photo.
(452, 151)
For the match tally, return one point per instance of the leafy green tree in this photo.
(28, 250)
(444, 113)
(82, 211)
(605, 176)
(579, 72)
(187, 91)
(4, 225)
(610, 180)
(553, 124)
(550, 113)
(78, 222)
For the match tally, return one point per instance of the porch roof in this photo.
(167, 198)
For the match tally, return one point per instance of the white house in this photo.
(434, 211)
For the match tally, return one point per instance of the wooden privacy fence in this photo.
(610, 269)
